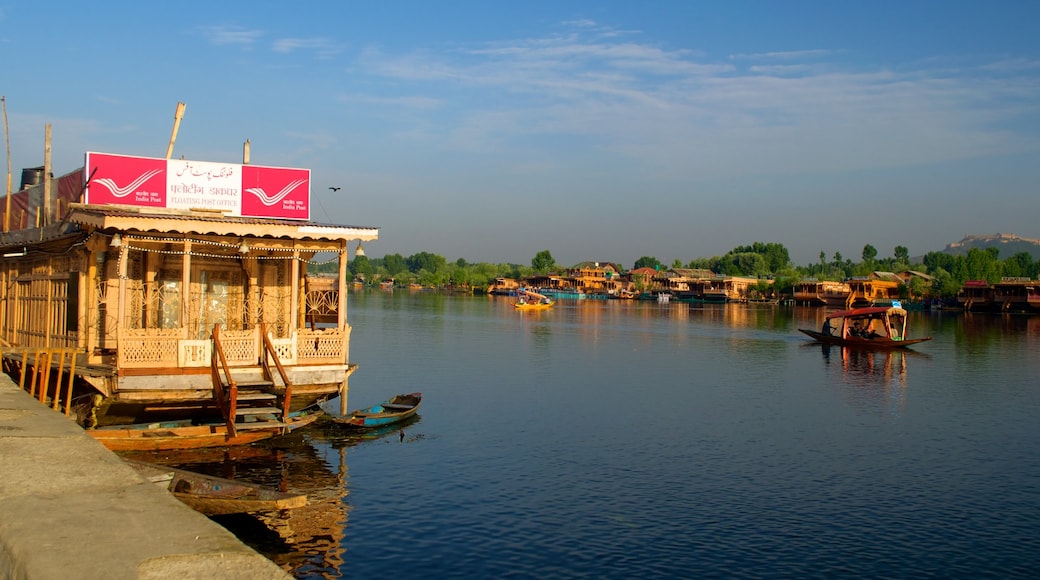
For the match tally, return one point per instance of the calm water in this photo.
(608, 439)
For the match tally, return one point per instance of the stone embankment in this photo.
(69, 508)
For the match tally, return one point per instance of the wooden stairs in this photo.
(250, 403)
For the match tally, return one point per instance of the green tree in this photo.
(647, 262)
(869, 253)
(543, 262)
(361, 266)
(776, 255)
(394, 264)
(902, 255)
(425, 261)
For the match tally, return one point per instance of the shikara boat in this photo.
(394, 410)
(185, 435)
(216, 496)
(874, 327)
(529, 300)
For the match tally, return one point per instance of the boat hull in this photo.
(383, 414)
(164, 436)
(216, 496)
(879, 343)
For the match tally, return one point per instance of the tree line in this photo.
(761, 260)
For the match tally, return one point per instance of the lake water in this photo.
(610, 439)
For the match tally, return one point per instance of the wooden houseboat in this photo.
(175, 290)
(1016, 294)
(878, 289)
(975, 295)
(822, 293)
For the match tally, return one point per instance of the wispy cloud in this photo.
(223, 35)
(783, 55)
(674, 110)
(322, 47)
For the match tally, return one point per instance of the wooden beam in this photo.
(177, 116)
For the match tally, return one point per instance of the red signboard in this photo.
(238, 190)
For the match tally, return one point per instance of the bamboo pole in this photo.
(46, 218)
(245, 153)
(177, 116)
(7, 140)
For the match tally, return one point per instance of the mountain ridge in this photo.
(1008, 244)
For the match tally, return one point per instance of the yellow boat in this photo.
(532, 301)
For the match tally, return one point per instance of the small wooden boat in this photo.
(529, 300)
(394, 410)
(185, 435)
(216, 496)
(874, 327)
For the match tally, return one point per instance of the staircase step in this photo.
(258, 411)
(258, 384)
(259, 425)
(256, 396)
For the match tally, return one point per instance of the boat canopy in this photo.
(868, 312)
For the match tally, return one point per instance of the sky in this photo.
(598, 130)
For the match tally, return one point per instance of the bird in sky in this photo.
(334, 188)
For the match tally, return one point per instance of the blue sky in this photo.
(601, 130)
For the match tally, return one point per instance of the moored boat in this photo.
(216, 496)
(183, 434)
(394, 410)
(529, 300)
(875, 327)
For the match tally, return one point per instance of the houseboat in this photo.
(975, 295)
(173, 290)
(1016, 294)
(822, 293)
(875, 290)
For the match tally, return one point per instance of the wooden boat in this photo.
(875, 327)
(394, 410)
(184, 435)
(216, 496)
(529, 300)
(155, 290)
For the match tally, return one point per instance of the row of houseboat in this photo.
(594, 280)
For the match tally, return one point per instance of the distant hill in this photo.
(1008, 244)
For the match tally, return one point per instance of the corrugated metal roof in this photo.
(207, 222)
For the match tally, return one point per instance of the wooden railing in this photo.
(269, 351)
(44, 362)
(225, 401)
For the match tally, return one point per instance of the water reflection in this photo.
(873, 378)
(308, 541)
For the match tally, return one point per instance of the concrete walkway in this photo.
(69, 508)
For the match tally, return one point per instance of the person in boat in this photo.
(827, 328)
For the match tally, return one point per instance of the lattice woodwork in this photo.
(149, 348)
(324, 346)
(241, 347)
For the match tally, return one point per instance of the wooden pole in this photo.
(341, 321)
(177, 116)
(245, 153)
(7, 140)
(46, 219)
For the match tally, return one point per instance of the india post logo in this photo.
(276, 192)
(120, 179)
